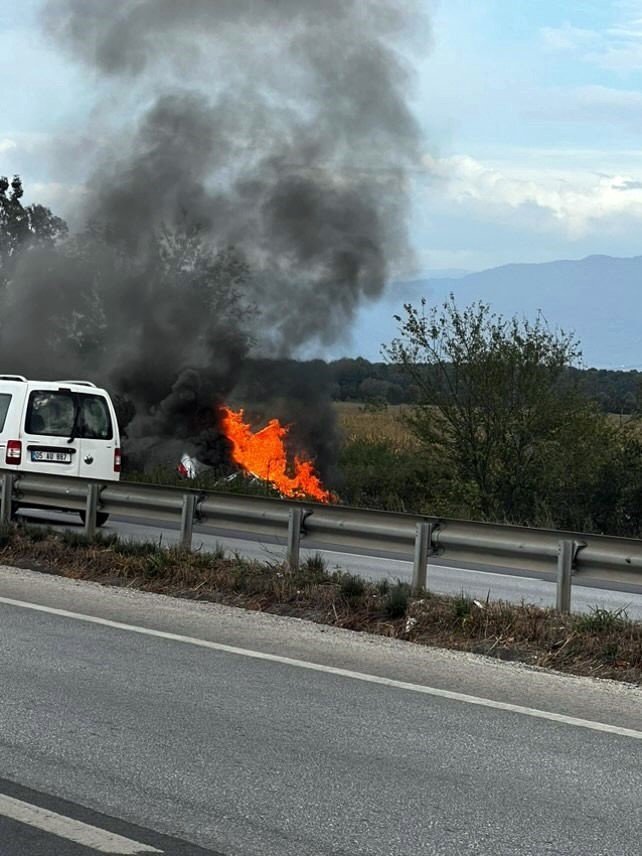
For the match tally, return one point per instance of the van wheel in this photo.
(101, 517)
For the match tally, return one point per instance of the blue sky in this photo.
(532, 111)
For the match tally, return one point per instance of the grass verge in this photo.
(603, 643)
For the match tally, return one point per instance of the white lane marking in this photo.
(72, 830)
(331, 670)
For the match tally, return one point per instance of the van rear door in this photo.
(50, 445)
(98, 437)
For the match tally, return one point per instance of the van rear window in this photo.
(5, 401)
(68, 414)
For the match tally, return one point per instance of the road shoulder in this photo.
(598, 700)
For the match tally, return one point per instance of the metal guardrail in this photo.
(566, 554)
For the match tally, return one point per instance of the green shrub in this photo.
(315, 565)
(379, 474)
(600, 620)
(75, 540)
(352, 588)
(383, 586)
(34, 533)
(136, 548)
(462, 606)
(397, 600)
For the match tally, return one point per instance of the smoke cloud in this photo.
(248, 192)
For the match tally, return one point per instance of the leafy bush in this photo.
(397, 600)
(352, 588)
(378, 474)
(462, 606)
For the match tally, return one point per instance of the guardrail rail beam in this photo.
(605, 558)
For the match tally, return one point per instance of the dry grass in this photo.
(358, 422)
(602, 644)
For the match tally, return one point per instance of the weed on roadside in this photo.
(352, 588)
(315, 565)
(397, 600)
(600, 620)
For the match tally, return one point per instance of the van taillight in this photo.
(117, 460)
(14, 452)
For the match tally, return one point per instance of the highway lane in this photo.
(246, 734)
(480, 582)
(37, 824)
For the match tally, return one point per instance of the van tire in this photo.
(101, 517)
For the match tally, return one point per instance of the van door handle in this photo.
(88, 459)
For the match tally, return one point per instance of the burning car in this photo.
(263, 455)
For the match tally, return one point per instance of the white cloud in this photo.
(573, 202)
(7, 145)
(617, 47)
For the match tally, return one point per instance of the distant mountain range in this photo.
(599, 298)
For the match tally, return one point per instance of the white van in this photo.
(65, 427)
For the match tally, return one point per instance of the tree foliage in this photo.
(614, 391)
(23, 227)
(510, 435)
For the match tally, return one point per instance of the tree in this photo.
(23, 228)
(498, 408)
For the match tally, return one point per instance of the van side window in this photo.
(68, 414)
(94, 421)
(5, 401)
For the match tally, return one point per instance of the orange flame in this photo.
(263, 454)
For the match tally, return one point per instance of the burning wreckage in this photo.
(263, 456)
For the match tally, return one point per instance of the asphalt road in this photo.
(177, 725)
(479, 582)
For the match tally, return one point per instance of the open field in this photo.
(360, 422)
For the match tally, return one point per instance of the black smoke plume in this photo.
(248, 191)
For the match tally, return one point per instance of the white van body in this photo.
(65, 427)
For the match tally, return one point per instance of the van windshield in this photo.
(5, 401)
(68, 414)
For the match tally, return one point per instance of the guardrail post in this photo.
(187, 520)
(423, 542)
(564, 575)
(6, 500)
(295, 521)
(91, 507)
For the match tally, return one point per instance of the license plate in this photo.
(51, 457)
